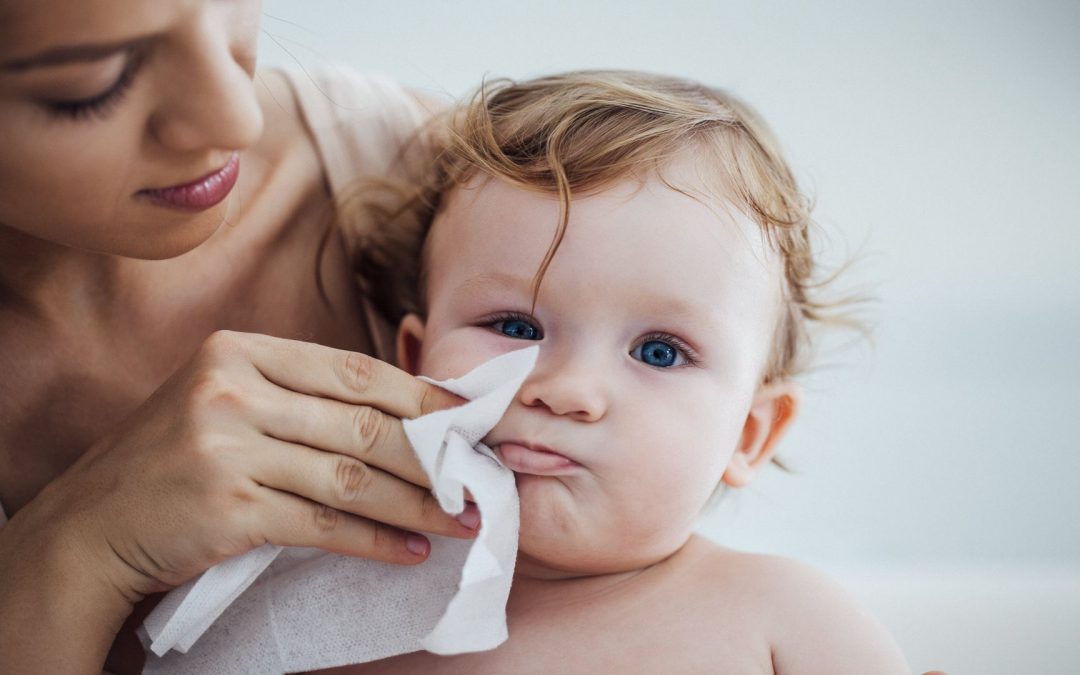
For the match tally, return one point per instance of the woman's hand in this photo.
(257, 440)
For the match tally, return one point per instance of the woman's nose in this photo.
(210, 103)
(566, 386)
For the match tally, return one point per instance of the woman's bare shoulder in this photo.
(812, 624)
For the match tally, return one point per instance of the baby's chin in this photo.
(558, 539)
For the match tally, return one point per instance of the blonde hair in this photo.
(579, 132)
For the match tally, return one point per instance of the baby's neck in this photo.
(531, 597)
(539, 587)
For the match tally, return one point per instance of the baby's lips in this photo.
(540, 461)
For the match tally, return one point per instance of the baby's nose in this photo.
(566, 387)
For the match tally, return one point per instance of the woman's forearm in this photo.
(57, 614)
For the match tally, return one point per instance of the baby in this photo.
(645, 231)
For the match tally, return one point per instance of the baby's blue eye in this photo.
(518, 329)
(658, 354)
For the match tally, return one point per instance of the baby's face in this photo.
(654, 321)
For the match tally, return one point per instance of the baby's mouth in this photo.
(538, 460)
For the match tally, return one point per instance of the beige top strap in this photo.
(360, 122)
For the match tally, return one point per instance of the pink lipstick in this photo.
(201, 193)
(536, 460)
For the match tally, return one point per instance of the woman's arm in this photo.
(58, 614)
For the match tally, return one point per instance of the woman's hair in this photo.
(580, 132)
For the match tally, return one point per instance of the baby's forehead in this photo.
(659, 231)
(673, 189)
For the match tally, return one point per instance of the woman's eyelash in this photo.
(100, 105)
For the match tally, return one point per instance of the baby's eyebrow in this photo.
(692, 320)
(485, 280)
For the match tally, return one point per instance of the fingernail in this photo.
(417, 544)
(470, 517)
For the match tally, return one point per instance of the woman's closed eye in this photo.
(663, 351)
(516, 326)
(100, 104)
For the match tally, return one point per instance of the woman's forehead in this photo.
(33, 28)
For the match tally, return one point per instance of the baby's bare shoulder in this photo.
(810, 622)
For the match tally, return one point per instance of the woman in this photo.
(162, 215)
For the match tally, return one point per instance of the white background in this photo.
(936, 470)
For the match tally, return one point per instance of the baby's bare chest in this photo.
(639, 640)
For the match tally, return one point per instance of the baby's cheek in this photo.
(455, 352)
(670, 485)
(659, 517)
(452, 356)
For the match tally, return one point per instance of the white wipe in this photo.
(278, 609)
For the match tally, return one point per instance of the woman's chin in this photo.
(175, 238)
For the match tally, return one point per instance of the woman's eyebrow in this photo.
(58, 56)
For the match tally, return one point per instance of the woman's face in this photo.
(120, 119)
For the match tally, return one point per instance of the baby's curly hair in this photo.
(579, 132)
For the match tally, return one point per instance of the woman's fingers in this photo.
(347, 484)
(255, 439)
(334, 373)
(361, 432)
(300, 522)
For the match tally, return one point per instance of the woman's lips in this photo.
(199, 194)
(537, 460)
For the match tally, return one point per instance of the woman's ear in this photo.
(771, 413)
(410, 338)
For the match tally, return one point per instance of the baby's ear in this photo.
(410, 338)
(771, 413)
